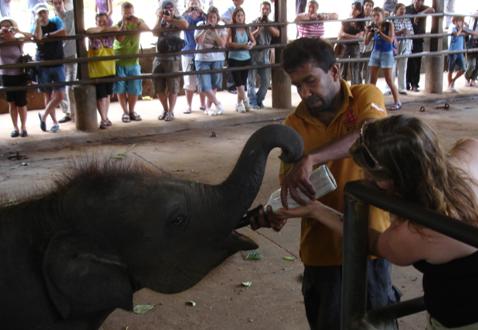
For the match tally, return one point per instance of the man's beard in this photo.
(317, 104)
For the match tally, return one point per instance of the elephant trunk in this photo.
(240, 189)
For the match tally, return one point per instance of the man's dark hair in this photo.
(266, 3)
(126, 4)
(308, 50)
(100, 15)
(369, 1)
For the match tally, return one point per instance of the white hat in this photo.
(40, 7)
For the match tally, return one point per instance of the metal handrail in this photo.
(358, 196)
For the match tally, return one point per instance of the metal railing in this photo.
(358, 197)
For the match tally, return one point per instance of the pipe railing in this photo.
(358, 197)
(83, 60)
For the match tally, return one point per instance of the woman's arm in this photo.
(391, 33)
(110, 8)
(234, 45)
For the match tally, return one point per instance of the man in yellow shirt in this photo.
(329, 119)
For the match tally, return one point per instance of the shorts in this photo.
(17, 97)
(166, 84)
(132, 87)
(104, 89)
(383, 60)
(190, 82)
(456, 60)
(51, 74)
(210, 81)
(239, 76)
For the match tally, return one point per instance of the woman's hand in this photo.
(310, 210)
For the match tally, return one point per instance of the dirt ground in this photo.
(273, 301)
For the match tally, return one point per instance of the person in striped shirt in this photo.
(316, 29)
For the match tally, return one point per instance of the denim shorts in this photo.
(210, 81)
(383, 60)
(133, 87)
(51, 74)
(456, 61)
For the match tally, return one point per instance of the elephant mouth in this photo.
(239, 242)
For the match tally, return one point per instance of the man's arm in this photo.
(298, 177)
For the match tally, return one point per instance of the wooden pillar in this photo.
(85, 109)
(435, 64)
(281, 86)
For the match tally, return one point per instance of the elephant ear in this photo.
(84, 277)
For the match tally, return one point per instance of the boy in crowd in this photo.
(456, 60)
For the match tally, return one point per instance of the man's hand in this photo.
(298, 179)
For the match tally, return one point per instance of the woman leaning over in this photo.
(403, 28)
(382, 33)
(212, 36)
(11, 49)
(102, 46)
(403, 157)
(240, 40)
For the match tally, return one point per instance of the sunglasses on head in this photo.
(367, 157)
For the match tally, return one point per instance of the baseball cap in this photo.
(40, 7)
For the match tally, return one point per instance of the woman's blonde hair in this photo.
(409, 154)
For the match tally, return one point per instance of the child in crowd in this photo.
(403, 27)
(383, 34)
(240, 40)
(456, 60)
(106, 7)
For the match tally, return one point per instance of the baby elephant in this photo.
(74, 255)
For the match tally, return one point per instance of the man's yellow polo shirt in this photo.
(319, 245)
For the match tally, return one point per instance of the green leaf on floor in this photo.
(253, 255)
(142, 308)
(288, 258)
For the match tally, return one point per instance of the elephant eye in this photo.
(179, 221)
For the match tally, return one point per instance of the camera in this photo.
(166, 12)
(264, 19)
(373, 27)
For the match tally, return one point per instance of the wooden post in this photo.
(434, 64)
(281, 86)
(84, 95)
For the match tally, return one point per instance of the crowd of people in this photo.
(373, 36)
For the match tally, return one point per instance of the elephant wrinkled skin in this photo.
(81, 250)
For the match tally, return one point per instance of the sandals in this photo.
(134, 116)
(395, 107)
(125, 118)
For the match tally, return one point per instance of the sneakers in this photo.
(240, 108)
(219, 109)
(24, 133)
(15, 133)
(55, 128)
(402, 92)
(247, 106)
(187, 111)
(211, 112)
(125, 118)
(65, 119)
(42, 123)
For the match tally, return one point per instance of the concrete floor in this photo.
(274, 300)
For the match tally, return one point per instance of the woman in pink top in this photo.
(11, 49)
(105, 7)
(312, 30)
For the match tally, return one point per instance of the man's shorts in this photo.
(169, 85)
(132, 87)
(209, 81)
(190, 82)
(383, 60)
(104, 89)
(17, 97)
(51, 74)
(456, 61)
